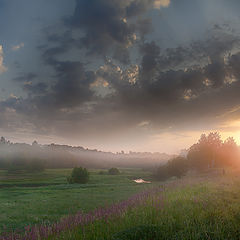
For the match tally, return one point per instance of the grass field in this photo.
(28, 199)
(192, 208)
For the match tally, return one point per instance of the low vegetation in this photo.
(79, 175)
(143, 232)
(191, 208)
(176, 167)
(186, 210)
(45, 197)
(113, 171)
(110, 206)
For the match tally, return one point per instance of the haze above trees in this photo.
(64, 156)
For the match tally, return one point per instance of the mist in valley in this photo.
(120, 119)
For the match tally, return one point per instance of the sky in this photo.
(139, 75)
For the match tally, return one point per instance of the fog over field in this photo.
(64, 156)
(119, 119)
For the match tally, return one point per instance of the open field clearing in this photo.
(185, 209)
(46, 197)
(197, 207)
(120, 120)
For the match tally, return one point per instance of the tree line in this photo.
(209, 152)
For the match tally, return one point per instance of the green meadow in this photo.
(197, 207)
(27, 199)
(189, 209)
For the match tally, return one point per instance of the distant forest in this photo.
(209, 152)
(21, 156)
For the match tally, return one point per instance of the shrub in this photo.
(139, 233)
(79, 175)
(177, 167)
(162, 173)
(113, 171)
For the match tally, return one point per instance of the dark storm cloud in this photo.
(196, 89)
(73, 84)
(105, 22)
(122, 55)
(191, 92)
(70, 89)
(109, 45)
(36, 88)
(26, 77)
(234, 64)
(64, 41)
(150, 53)
(104, 28)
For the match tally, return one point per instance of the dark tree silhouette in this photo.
(211, 152)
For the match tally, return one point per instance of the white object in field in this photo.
(141, 181)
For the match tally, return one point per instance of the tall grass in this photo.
(204, 211)
(207, 210)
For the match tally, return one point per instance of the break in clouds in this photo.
(109, 67)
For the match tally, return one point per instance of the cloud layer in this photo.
(110, 72)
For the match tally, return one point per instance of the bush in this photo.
(113, 171)
(79, 175)
(162, 173)
(177, 167)
(139, 233)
